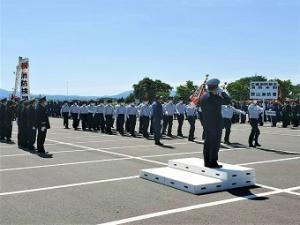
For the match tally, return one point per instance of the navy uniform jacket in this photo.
(211, 106)
(31, 117)
(42, 119)
(157, 111)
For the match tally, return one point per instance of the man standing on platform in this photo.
(211, 105)
(42, 123)
(157, 115)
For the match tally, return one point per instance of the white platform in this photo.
(227, 172)
(190, 175)
(186, 181)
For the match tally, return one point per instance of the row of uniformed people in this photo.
(32, 121)
(101, 117)
(7, 115)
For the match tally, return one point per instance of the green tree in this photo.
(130, 98)
(296, 91)
(148, 88)
(285, 89)
(239, 89)
(184, 91)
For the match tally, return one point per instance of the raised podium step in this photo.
(227, 172)
(183, 180)
(192, 176)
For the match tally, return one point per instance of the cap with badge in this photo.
(212, 84)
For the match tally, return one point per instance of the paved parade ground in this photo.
(93, 179)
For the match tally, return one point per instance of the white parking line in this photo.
(95, 161)
(268, 161)
(62, 164)
(192, 207)
(67, 185)
(58, 152)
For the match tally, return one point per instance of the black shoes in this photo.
(159, 143)
(213, 165)
(257, 144)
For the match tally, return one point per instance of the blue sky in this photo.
(104, 46)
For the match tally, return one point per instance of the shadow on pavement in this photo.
(278, 151)
(246, 192)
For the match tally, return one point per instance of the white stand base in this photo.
(190, 175)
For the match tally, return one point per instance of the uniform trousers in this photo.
(254, 131)
(84, 120)
(120, 123)
(75, 120)
(227, 125)
(131, 124)
(180, 119)
(191, 120)
(109, 123)
(168, 123)
(144, 120)
(211, 145)
(41, 139)
(66, 119)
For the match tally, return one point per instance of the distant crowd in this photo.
(103, 116)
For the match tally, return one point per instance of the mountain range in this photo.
(5, 94)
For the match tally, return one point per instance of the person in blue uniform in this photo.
(157, 115)
(211, 105)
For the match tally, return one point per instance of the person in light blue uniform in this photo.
(227, 114)
(254, 112)
(65, 113)
(180, 110)
(191, 114)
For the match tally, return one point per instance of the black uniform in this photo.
(212, 124)
(42, 123)
(286, 113)
(19, 123)
(22, 123)
(2, 121)
(9, 117)
(296, 114)
(31, 127)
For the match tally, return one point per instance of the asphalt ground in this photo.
(93, 179)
